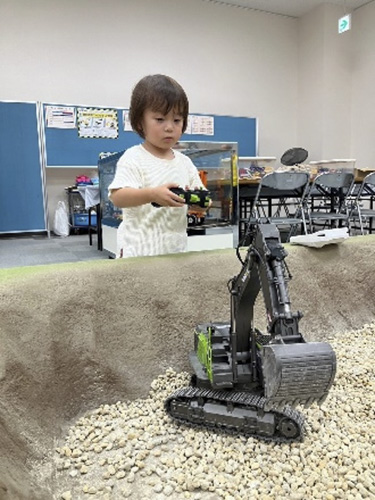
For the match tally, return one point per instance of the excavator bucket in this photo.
(297, 374)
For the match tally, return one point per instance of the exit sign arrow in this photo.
(344, 23)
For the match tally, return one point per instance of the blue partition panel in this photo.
(21, 185)
(66, 149)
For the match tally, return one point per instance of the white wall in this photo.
(363, 87)
(325, 79)
(336, 95)
(230, 60)
(310, 79)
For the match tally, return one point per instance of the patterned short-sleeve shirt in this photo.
(148, 230)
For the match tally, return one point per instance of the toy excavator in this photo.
(248, 382)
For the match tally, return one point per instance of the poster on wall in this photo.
(97, 123)
(200, 125)
(60, 117)
(196, 124)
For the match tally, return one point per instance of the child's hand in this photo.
(164, 197)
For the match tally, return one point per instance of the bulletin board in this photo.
(65, 148)
(21, 177)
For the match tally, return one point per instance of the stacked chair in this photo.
(298, 204)
(327, 201)
(280, 200)
(363, 205)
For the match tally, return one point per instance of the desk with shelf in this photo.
(84, 210)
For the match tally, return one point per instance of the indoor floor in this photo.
(37, 249)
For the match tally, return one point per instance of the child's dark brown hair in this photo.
(159, 93)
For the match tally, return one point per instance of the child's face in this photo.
(161, 131)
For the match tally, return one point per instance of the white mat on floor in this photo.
(321, 238)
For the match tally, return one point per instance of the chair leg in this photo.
(349, 226)
(361, 223)
(89, 228)
(99, 227)
(303, 225)
(311, 225)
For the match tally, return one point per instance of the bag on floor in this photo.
(61, 222)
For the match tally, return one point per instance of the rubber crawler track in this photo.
(240, 400)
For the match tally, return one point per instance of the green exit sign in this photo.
(345, 23)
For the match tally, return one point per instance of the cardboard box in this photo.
(360, 173)
(319, 167)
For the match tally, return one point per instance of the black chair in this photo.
(280, 200)
(363, 205)
(94, 225)
(327, 200)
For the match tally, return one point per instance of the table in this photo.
(91, 196)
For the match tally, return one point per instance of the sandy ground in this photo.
(75, 336)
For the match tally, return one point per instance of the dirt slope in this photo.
(74, 336)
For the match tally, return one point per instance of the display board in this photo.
(21, 180)
(66, 148)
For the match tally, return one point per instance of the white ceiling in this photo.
(293, 8)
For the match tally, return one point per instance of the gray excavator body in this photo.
(247, 381)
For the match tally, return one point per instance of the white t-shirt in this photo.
(148, 230)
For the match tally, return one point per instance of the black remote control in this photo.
(198, 197)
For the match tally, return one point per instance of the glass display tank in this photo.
(217, 166)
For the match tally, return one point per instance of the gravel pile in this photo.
(133, 450)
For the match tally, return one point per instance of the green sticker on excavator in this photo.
(204, 352)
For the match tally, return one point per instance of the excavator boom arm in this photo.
(264, 269)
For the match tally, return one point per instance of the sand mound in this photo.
(76, 336)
